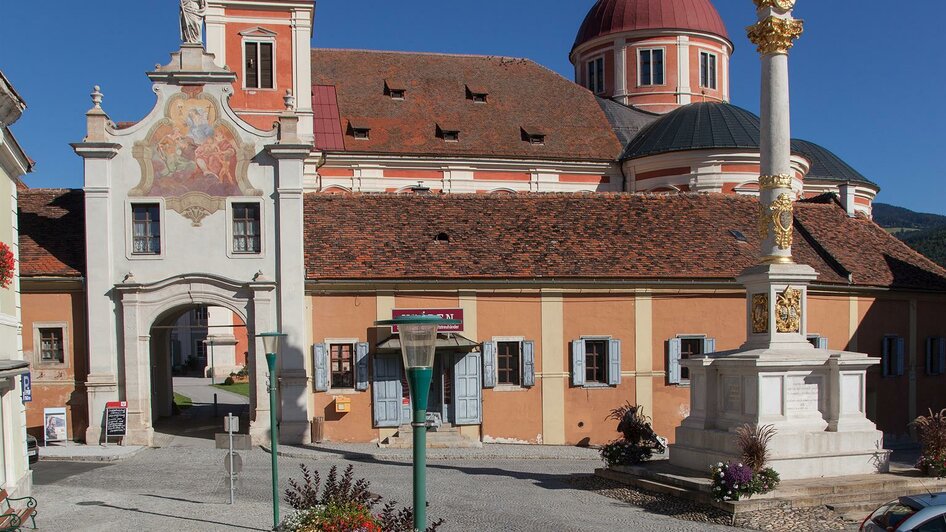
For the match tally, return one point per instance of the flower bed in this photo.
(732, 482)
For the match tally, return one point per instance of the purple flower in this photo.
(737, 475)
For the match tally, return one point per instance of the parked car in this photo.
(913, 513)
(32, 449)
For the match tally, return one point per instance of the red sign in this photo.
(116, 404)
(445, 313)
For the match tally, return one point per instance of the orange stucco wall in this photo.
(587, 409)
(513, 415)
(56, 385)
(260, 99)
(829, 316)
(721, 317)
(931, 322)
(887, 397)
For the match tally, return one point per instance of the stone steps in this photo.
(445, 437)
(852, 497)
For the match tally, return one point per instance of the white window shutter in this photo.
(930, 345)
(528, 363)
(900, 352)
(675, 347)
(822, 343)
(614, 362)
(361, 366)
(941, 354)
(320, 363)
(489, 364)
(709, 346)
(578, 362)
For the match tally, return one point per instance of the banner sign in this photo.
(26, 383)
(445, 313)
(116, 419)
(54, 423)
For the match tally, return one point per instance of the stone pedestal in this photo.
(814, 398)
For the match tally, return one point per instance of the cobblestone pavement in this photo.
(182, 488)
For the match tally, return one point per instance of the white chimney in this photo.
(846, 193)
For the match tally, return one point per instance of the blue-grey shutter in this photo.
(386, 391)
(467, 396)
(489, 364)
(578, 362)
(614, 362)
(361, 366)
(930, 345)
(822, 343)
(941, 354)
(885, 355)
(528, 363)
(900, 351)
(709, 346)
(674, 350)
(320, 363)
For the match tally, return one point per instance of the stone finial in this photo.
(289, 100)
(260, 277)
(129, 278)
(97, 97)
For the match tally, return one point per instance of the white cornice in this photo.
(13, 160)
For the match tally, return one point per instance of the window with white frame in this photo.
(596, 361)
(892, 356)
(246, 228)
(685, 347)
(708, 70)
(146, 228)
(651, 66)
(342, 364)
(596, 75)
(508, 362)
(820, 342)
(51, 345)
(259, 70)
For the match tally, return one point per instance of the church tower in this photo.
(267, 44)
(655, 55)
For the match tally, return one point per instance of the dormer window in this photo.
(476, 94)
(395, 90)
(359, 130)
(533, 135)
(448, 133)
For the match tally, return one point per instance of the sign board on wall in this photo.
(116, 419)
(26, 384)
(445, 313)
(54, 424)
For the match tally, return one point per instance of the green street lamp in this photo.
(271, 346)
(418, 334)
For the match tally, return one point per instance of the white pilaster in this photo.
(684, 88)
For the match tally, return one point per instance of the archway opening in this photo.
(200, 373)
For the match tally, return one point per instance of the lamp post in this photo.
(213, 378)
(418, 335)
(271, 346)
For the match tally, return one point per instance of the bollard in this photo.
(215, 405)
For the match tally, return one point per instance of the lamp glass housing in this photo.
(271, 342)
(418, 344)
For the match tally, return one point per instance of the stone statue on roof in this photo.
(192, 21)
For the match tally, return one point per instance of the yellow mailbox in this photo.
(342, 404)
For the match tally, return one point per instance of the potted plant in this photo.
(638, 441)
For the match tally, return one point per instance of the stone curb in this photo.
(315, 454)
(89, 457)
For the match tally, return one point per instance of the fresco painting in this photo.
(192, 158)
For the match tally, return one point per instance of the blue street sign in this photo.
(27, 383)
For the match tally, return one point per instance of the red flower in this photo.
(7, 266)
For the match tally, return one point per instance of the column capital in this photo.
(775, 35)
(783, 5)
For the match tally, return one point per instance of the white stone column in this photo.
(97, 152)
(302, 71)
(684, 87)
(290, 153)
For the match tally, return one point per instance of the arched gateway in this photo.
(144, 305)
(192, 188)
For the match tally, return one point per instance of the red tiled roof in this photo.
(52, 232)
(585, 236)
(328, 129)
(615, 16)
(521, 93)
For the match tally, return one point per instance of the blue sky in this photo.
(868, 80)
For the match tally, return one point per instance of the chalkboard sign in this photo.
(116, 420)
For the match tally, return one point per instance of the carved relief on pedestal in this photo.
(193, 158)
(788, 311)
(760, 313)
(775, 35)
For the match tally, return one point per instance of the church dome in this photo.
(615, 16)
(697, 126)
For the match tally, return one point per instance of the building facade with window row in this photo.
(589, 243)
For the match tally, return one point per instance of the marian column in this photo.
(813, 398)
